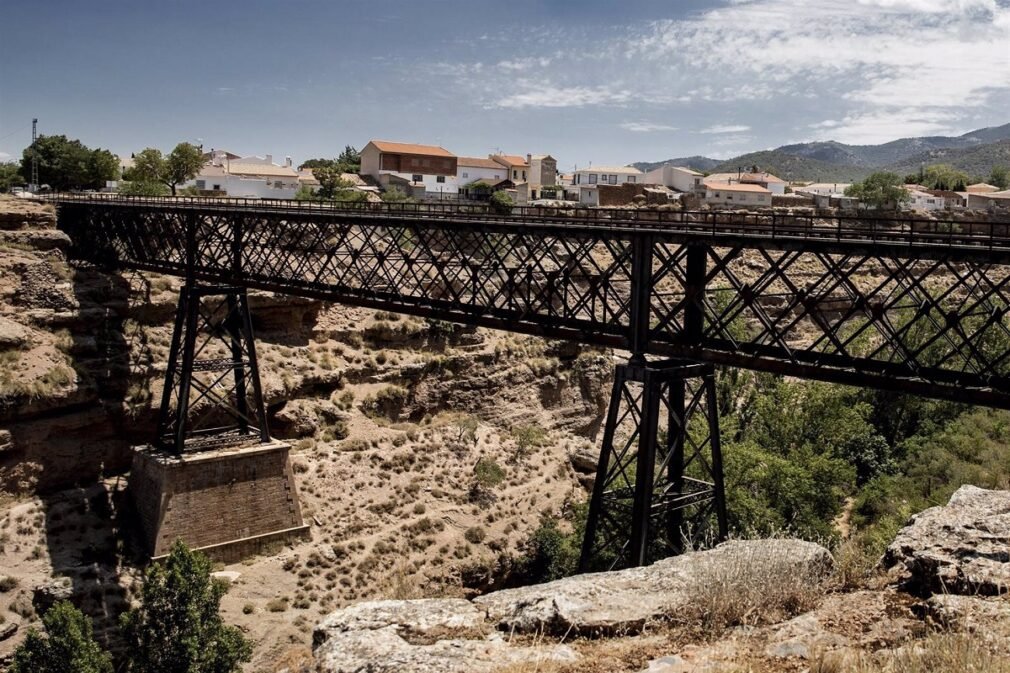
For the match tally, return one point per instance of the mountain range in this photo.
(975, 153)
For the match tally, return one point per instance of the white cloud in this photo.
(725, 128)
(646, 127)
(4, 156)
(552, 96)
(872, 63)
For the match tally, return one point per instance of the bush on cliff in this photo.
(178, 628)
(67, 647)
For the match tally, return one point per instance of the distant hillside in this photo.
(895, 151)
(975, 161)
(698, 163)
(792, 167)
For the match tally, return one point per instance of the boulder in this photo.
(51, 592)
(8, 630)
(385, 651)
(12, 334)
(960, 547)
(395, 635)
(584, 460)
(627, 600)
(986, 618)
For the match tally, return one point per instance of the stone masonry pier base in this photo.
(228, 502)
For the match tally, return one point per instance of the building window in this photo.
(515, 174)
(631, 179)
(465, 175)
(278, 184)
(440, 178)
(217, 188)
(613, 179)
(416, 178)
(592, 178)
(201, 184)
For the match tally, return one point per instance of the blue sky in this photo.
(610, 82)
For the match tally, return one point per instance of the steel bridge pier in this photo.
(659, 477)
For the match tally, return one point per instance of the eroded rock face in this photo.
(958, 548)
(450, 635)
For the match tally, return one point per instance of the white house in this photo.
(989, 200)
(736, 194)
(920, 200)
(418, 169)
(823, 188)
(518, 167)
(607, 175)
(469, 169)
(676, 177)
(760, 178)
(246, 177)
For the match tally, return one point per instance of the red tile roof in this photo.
(410, 148)
(476, 162)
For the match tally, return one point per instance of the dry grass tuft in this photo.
(752, 591)
(940, 652)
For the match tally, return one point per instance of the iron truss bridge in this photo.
(913, 305)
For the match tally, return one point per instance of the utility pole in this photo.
(35, 156)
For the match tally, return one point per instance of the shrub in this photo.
(178, 626)
(388, 401)
(69, 646)
(488, 473)
(501, 203)
(475, 534)
(7, 583)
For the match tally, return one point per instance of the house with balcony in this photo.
(419, 170)
(607, 175)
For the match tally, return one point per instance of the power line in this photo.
(18, 130)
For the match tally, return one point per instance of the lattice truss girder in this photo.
(658, 487)
(212, 393)
(934, 320)
(894, 318)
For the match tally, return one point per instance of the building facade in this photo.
(676, 177)
(427, 170)
(608, 175)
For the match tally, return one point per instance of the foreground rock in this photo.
(450, 635)
(382, 636)
(625, 601)
(958, 548)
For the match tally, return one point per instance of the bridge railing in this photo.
(867, 226)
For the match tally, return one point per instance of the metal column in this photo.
(659, 480)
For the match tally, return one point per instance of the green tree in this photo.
(879, 190)
(501, 203)
(394, 195)
(10, 176)
(67, 647)
(349, 161)
(334, 187)
(140, 188)
(182, 164)
(69, 164)
(178, 628)
(943, 176)
(1000, 177)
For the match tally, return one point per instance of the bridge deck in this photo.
(907, 304)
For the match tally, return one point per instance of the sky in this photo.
(608, 82)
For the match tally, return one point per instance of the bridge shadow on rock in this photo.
(88, 533)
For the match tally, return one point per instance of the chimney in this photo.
(270, 158)
(287, 161)
(529, 159)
